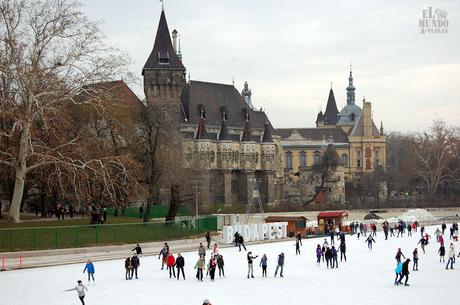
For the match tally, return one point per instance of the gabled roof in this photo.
(223, 133)
(216, 99)
(163, 47)
(330, 115)
(201, 132)
(247, 134)
(358, 129)
(267, 137)
(314, 134)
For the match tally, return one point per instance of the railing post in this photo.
(114, 234)
(97, 234)
(35, 238)
(56, 237)
(77, 237)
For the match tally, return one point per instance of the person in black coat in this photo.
(138, 250)
(328, 256)
(208, 239)
(343, 250)
(180, 263)
(405, 272)
(241, 242)
(220, 265)
(135, 263)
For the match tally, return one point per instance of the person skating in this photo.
(335, 262)
(180, 263)
(328, 256)
(236, 238)
(250, 258)
(80, 288)
(280, 264)
(422, 230)
(170, 262)
(215, 251)
(423, 242)
(319, 254)
(263, 264)
(164, 255)
(451, 256)
(392, 232)
(212, 268)
(297, 247)
(369, 241)
(398, 271)
(135, 263)
(398, 255)
(208, 239)
(128, 267)
(343, 250)
(405, 272)
(409, 230)
(90, 268)
(299, 238)
(220, 265)
(200, 266)
(442, 253)
(241, 242)
(201, 250)
(332, 237)
(443, 227)
(415, 257)
(138, 250)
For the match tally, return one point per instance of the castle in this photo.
(236, 146)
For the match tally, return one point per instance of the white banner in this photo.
(255, 232)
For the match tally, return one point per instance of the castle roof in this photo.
(247, 134)
(201, 132)
(223, 133)
(267, 137)
(358, 129)
(314, 134)
(330, 115)
(163, 55)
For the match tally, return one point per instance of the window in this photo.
(303, 159)
(358, 158)
(300, 224)
(316, 157)
(234, 186)
(289, 160)
(163, 58)
(345, 159)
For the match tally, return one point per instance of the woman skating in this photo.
(90, 268)
(328, 256)
(415, 257)
(250, 265)
(442, 253)
(398, 271)
(80, 288)
(170, 262)
(220, 265)
(128, 268)
(200, 266)
(319, 254)
(405, 272)
(212, 268)
(335, 262)
(451, 256)
(398, 255)
(263, 264)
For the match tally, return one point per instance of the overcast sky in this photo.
(291, 51)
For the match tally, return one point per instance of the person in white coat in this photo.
(80, 288)
(451, 256)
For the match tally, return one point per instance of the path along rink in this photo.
(366, 278)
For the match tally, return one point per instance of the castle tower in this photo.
(247, 163)
(246, 94)
(350, 90)
(164, 75)
(330, 115)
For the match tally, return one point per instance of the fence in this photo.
(156, 211)
(91, 235)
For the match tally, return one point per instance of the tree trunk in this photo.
(14, 215)
(174, 203)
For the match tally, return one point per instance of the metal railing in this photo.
(38, 238)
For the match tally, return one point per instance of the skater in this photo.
(398, 271)
(297, 247)
(241, 242)
(422, 230)
(398, 255)
(212, 268)
(215, 251)
(335, 262)
(138, 250)
(343, 250)
(164, 255)
(405, 272)
(409, 230)
(90, 267)
(328, 255)
(443, 227)
(80, 288)
(441, 239)
(442, 253)
(263, 264)
(451, 256)
(199, 266)
(319, 254)
(201, 250)
(392, 232)
(135, 263)
(220, 265)
(170, 262)
(128, 267)
(236, 239)
(415, 257)
(180, 263)
(423, 242)
(280, 264)
(332, 237)
(208, 239)
(299, 238)
(369, 241)
(250, 266)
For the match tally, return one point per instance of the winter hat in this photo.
(205, 301)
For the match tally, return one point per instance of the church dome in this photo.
(349, 115)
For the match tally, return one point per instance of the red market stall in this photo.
(330, 220)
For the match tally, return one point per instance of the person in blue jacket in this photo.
(90, 268)
(398, 271)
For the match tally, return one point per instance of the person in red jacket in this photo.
(170, 262)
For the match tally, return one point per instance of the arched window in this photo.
(345, 159)
(303, 159)
(289, 160)
(358, 158)
(316, 157)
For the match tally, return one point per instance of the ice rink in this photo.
(366, 278)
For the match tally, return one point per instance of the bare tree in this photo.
(48, 52)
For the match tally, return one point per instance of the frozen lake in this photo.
(366, 278)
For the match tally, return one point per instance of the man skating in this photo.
(80, 288)
(280, 264)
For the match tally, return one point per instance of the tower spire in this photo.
(350, 89)
(330, 114)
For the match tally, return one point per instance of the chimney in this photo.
(367, 116)
(174, 37)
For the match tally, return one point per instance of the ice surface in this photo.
(366, 278)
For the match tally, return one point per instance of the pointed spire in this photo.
(330, 115)
(201, 132)
(223, 134)
(267, 137)
(319, 118)
(350, 90)
(163, 55)
(179, 53)
(381, 128)
(247, 133)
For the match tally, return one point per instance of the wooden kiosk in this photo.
(330, 220)
(296, 224)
